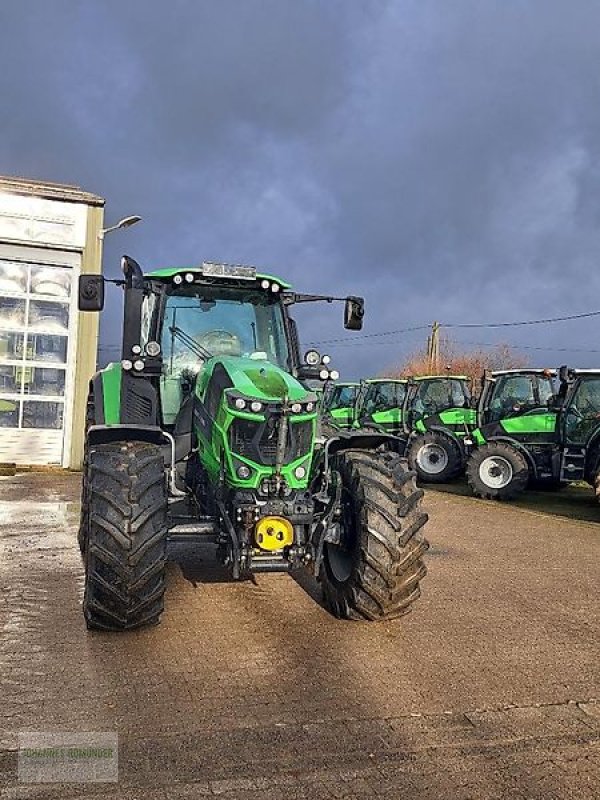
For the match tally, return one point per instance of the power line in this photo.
(544, 321)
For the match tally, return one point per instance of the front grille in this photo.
(258, 440)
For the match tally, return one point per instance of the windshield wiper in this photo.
(190, 343)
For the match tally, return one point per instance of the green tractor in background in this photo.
(528, 433)
(438, 418)
(379, 404)
(338, 404)
(206, 431)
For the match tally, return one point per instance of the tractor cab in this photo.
(338, 404)
(379, 403)
(438, 401)
(517, 393)
(207, 429)
(438, 417)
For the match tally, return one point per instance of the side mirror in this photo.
(563, 374)
(354, 313)
(91, 293)
(132, 272)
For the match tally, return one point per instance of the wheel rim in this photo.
(496, 472)
(432, 458)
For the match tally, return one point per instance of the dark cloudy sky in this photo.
(441, 158)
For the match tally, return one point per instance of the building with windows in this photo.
(49, 234)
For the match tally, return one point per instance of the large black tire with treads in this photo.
(497, 471)
(125, 551)
(373, 573)
(435, 457)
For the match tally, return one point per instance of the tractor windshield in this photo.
(434, 396)
(341, 397)
(583, 414)
(516, 394)
(383, 396)
(222, 322)
(200, 322)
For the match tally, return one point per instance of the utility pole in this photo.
(433, 348)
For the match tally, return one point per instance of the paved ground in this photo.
(489, 689)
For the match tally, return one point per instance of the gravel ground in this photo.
(488, 689)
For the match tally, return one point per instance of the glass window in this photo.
(384, 396)
(221, 323)
(517, 393)
(42, 414)
(12, 313)
(45, 381)
(48, 317)
(437, 395)
(11, 346)
(9, 413)
(583, 414)
(52, 349)
(342, 397)
(51, 281)
(10, 380)
(13, 277)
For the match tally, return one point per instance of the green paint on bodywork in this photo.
(530, 423)
(170, 272)
(420, 426)
(111, 392)
(258, 380)
(459, 416)
(390, 416)
(478, 436)
(342, 416)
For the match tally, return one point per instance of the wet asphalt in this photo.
(490, 688)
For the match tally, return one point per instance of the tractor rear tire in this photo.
(435, 457)
(373, 572)
(125, 551)
(497, 471)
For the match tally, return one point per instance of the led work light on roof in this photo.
(189, 277)
(324, 374)
(136, 349)
(334, 374)
(178, 279)
(275, 287)
(211, 269)
(126, 364)
(265, 284)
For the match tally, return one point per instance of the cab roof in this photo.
(198, 269)
(440, 377)
(385, 380)
(551, 373)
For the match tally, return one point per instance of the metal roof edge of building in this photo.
(49, 190)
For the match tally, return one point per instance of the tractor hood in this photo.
(262, 380)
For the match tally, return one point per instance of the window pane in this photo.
(51, 281)
(10, 380)
(13, 278)
(9, 414)
(48, 317)
(40, 414)
(11, 346)
(44, 381)
(52, 349)
(12, 313)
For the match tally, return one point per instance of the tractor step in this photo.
(573, 465)
(264, 564)
(184, 531)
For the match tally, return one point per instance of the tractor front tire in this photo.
(497, 471)
(125, 542)
(435, 457)
(373, 571)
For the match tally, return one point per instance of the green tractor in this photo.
(206, 431)
(338, 404)
(438, 418)
(379, 404)
(527, 433)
